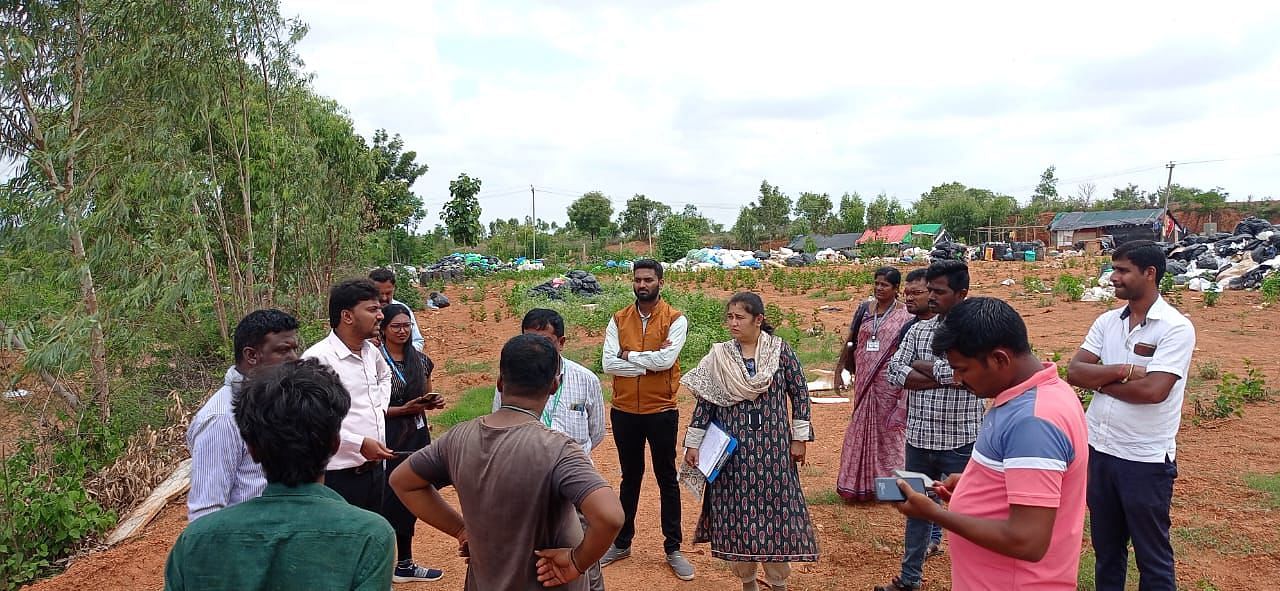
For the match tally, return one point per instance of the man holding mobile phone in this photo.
(1017, 510)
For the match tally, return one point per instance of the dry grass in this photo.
(149, 457)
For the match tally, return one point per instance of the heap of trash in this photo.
(703, 259)
(1239, 260)
(458, 265)
(579, 283)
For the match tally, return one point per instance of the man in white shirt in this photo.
(222, 471)
(356, 471)
(575, 409)
(1136, 360)
(385, 281)
(641, 351)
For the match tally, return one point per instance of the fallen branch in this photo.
(176, 484)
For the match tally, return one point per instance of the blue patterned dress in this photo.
(755, 510)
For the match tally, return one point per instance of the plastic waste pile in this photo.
(946, 250)
(1103, 291)
(1239, 260)
(579, 283)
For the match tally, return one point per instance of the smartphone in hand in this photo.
(887, 490)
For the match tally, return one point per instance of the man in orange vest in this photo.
(641, 350)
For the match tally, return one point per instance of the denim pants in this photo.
(934, 464)
(1130, 500)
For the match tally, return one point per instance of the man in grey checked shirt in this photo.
(942, 416)
(576, 409)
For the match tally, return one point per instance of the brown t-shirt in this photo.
(518, 487)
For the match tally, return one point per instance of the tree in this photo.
(747, 230)
(676, 239)
(884, 211)
(391, 200)
(853, 213)
(1084, 195)
(1047, 189)
(773, 211)
(642, 216)
(815, 208)
(591, 214)
(462, 212)
(697, 223)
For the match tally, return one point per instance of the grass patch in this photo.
(1267, 483)
(476, 402)
(1219, 538)
(819, 352)
(1209, 370)
(453, 366)
(588, 357)
(824, 497)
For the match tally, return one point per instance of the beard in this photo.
(646, 296)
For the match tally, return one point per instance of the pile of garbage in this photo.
(455, 266)
(1239, 260)
(946, 250)
(579, 283)
(703, 259)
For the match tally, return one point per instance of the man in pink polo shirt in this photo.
(1018, 508)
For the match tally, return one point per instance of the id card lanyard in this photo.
(550, 410)
(392, 363)
(873, 343)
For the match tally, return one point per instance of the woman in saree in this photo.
(875, 441)
(754, 511)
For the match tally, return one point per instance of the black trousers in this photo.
(1130, 500)
(361, 486)
(630, 433)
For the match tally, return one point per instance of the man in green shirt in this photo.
(299, 534)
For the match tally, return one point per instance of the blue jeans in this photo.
(934, 464)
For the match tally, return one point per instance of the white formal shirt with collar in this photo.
(579, 412)
(222, 471)
(367, 378)
(1140, 432)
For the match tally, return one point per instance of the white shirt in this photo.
(222, 471)
(367, 378)
(638, 363)
(579, 411)
(1140, 432)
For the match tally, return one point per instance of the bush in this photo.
(875, 248)
(1070, 286)
(676, 239)
(1271, 288)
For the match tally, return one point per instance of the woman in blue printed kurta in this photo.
(754, 511)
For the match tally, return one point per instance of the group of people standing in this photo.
(312, 473)
(947, 386)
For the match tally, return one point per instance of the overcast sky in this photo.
(696, 102)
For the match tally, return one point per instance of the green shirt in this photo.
(304, 537)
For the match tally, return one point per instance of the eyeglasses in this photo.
(400, 327)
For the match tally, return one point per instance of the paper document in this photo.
(715, 449)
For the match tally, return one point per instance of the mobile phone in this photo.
(887, 490)
(402, 454)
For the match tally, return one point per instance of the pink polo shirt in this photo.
(1033, 450)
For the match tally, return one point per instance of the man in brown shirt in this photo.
(518, 483)
(641, 351)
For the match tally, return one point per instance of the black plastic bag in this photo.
(1252, 225)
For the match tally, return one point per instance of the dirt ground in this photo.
(1226, 534)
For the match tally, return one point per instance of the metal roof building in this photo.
(1069, 227)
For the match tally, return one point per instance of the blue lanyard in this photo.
(392, 363)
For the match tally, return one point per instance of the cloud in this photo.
(696, 102)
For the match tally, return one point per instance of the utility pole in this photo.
(533, 200)
(1168, 190)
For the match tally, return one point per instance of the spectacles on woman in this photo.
(400, 326)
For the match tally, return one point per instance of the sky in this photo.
(697, 102)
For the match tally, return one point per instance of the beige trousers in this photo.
(775, 573)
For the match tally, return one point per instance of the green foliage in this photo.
(1271, 288)
(1232, 393)
(815, 209)
(1166, 284)
(853, 213)
(1032, 284)
(1209, 370)
(747, 229)
(407, 292)
(641, 216)
(773, 210)
(391, 202)
(676, 239)
(884, 211)
(961, 210)
(1069, 286)
(1211, 296)
(875, 248)
(475, 402)
(462, 212)
(591, 214)
(810, 246)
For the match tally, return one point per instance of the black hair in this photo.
(916, 275)
(528, 365)
(541, 318)
(382, 275)
(347, 295)
(956, 272)
(977, 326)
(1143, 254)
(415, 371)
(890, 274)
(754, 306)
(256, 325)
(648, 264)
(289, 415)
